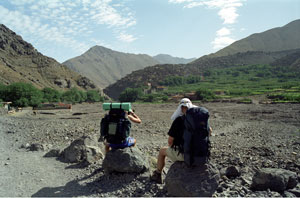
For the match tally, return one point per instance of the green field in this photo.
(277, 83)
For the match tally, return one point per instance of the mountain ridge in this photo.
(275, 39)
(21, 62)
(168, 59)
(105, 66)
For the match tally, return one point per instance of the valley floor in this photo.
(249, 136)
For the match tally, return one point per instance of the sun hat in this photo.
(183, 102)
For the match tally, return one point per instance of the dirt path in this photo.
(24, 173)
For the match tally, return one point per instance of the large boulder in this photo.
(127, 160)
(85, 149)
(274, 179)
(200, 181)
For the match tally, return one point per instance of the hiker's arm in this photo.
(134, 118)
(170, 140)
(209, 128)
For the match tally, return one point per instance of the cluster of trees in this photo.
(136, 94)
(130, 95)
(259, 71)
(205, 94)
(180, 80)
(24, 94)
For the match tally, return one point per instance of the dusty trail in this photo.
(23, 173)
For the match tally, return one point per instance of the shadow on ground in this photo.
(80, 187)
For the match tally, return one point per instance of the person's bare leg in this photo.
(157, 174)
(134, 142)
(161, 159)
(106, 148)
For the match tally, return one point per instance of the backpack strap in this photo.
(189, 125)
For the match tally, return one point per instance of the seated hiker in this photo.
(175, 149)
(115, 128)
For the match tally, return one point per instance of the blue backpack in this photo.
(196, 136)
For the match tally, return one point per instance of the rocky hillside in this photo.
(105, 66)
(21, 62)
(157, 73)
(141, 77)
(167, 59)
(277, 39)
(292, 60)
(242, 58)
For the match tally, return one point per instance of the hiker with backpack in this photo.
(183, 143)
(115, 127)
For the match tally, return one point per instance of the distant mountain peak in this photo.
(168, 59)
(99, 48)
(105, 66)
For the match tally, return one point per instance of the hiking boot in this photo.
(156, 177)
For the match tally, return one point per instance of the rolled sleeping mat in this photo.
(125, 106)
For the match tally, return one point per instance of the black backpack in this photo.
(115, 127)
(196, 136)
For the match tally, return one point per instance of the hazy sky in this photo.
(63, 29)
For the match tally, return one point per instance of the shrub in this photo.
(93, 96)
(287, 86)
(245, 100)
(156, 97)
(235, 74)
(282, 80)
(208, 73)
(290, 97)
(74, 96)
(192, 79)
(22, 102)
(180, 80)
(254, 79)
(261, 74)
(148, 98)
(204, 94)
(165, 98)
(2, 91)
(173, 81)
(51, 95)
(130, 95)
(239, 92)
(22, 94)
(83, 96)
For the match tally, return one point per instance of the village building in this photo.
(150, 89)
(6, 106)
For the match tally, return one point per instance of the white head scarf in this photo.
(184, 102)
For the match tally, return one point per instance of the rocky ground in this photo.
(247, 136)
